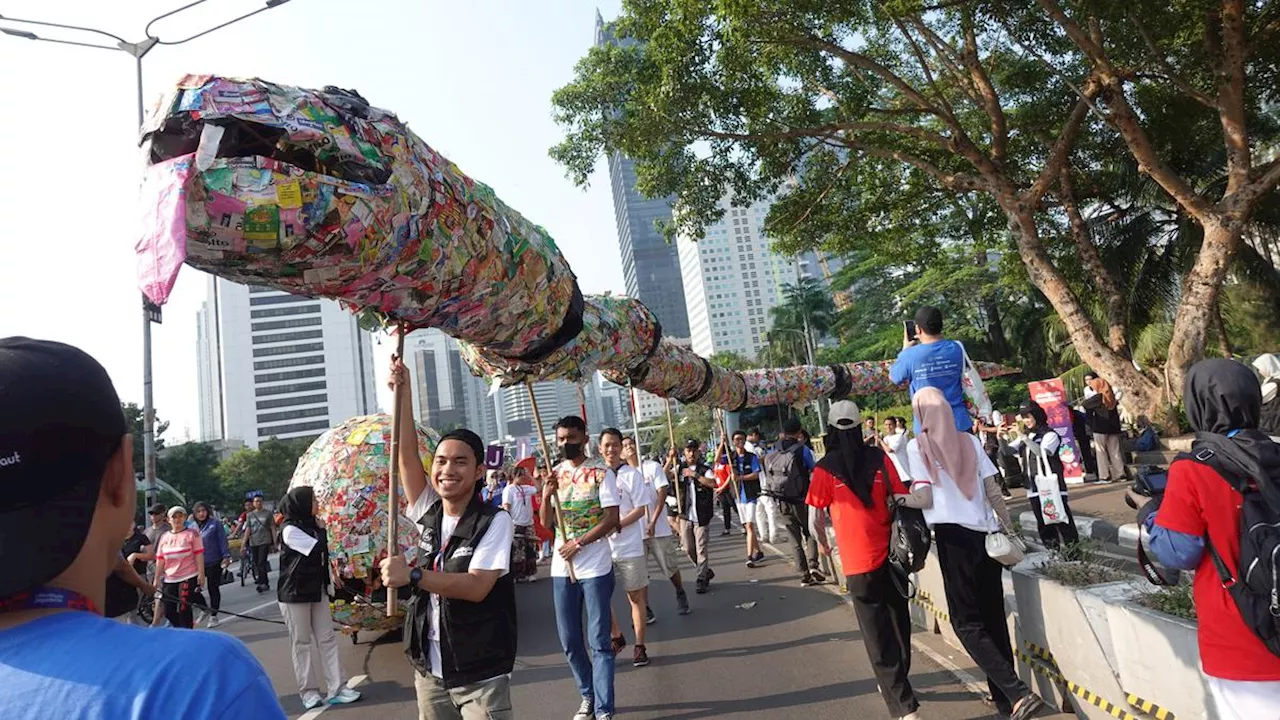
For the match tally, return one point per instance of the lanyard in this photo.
(48, 598)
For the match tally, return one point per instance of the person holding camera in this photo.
(930, 360)
(1196, 525)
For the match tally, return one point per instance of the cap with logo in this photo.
(60, 424)
(844, 415)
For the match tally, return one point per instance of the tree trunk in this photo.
(1199, 299)
(1141, 395)
(1220, 327)
(995, 329)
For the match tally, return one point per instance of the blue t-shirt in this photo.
(939, 365)
(80, 665)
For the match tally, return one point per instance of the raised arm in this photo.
(413, 478)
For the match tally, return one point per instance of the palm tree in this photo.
(808, 299)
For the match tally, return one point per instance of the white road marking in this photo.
(232, 618)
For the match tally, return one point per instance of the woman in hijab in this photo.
(1203, 500)
(303, 596)
(957, 485)
(217, 555)
(1103, 412)
(1039, 449)
(856, 481)
(1268, 367)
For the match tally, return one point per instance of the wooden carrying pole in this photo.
(671, 428)
(546, 454)
(393, 481)
(728, 455)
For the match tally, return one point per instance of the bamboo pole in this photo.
(728, 455)
(671, 428)
(393, 471)
(546, 454)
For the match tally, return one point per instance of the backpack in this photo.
(785, 476)
(1256, 588)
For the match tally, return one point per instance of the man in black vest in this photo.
(460, 626)
(695, 514)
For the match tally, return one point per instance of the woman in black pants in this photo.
(955, 483)
(1039, 450)
(217, 555)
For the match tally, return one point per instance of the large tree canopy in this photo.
(875, 122)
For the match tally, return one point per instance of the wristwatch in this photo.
(415, 576)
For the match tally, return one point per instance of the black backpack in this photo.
(1256, 586)
(785, 476)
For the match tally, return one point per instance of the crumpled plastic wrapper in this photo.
(348, 467)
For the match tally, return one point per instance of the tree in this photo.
(873, 116)
(269, 468)
(731, 360)
(134, 421)
(190, 469)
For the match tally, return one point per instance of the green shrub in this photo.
(1081, 564)
(1172, 600)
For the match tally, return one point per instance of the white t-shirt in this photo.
(296, 539)
(519, 502)
(897, 444)
(583, 494)
(633, 492)
(1049, 444)
(656, 478)
(493, 553)
(950, 506)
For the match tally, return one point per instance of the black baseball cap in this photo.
(60, 424)
(792, 426)
(157, 509)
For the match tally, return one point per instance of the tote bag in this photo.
(974, 390)
(1052, 507)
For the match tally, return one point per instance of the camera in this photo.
(1150, 482)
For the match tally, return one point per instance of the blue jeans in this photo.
(594, 674)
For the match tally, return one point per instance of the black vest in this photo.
(477, 640)
(704, 497)
(303, 578)
(742, 465)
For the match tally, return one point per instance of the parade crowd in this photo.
(601, 517)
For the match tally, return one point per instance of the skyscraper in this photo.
(650, 266)
(270, 364)
(732, 279)
(445, 393)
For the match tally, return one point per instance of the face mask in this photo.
(571, 451)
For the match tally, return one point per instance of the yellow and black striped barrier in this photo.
(1041, 661)
(923, 599)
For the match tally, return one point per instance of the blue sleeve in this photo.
(809, 462)
(1175, 549)
(755, 464)
(257, 699)
(900, 371)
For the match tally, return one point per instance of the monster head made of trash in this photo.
(318, 193)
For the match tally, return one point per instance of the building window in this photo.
(288, 337)
(286, 389)
(288, 349)
(288, 362)
(266, 432)
(292, 401)
(280, 312)
(289, 375)
(294, 414)
(283, 324)
(279, 299)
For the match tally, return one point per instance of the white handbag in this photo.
(1005, 548)
(974, 389)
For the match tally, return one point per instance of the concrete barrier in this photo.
(1158, 659)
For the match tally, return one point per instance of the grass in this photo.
(1081, 565)
(1172, 600)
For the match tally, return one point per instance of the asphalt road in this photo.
(796, 653)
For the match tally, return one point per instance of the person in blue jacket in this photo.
(217, 555)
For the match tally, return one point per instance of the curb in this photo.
(1089, 527)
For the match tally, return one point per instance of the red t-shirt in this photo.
(862, 533)
(1197, 500)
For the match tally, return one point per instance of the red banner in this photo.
(1052, 397)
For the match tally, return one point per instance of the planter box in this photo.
(1158, 659)
(1073, 624)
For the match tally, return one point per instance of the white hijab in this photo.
(1268, 366)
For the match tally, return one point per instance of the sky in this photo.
(473, 78)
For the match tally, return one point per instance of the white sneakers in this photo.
(213, 622)
(347, 695)
(311, 699)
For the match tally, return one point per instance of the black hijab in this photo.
(1223, 397)
(851, 461)
(296, 508)
(1039, 415)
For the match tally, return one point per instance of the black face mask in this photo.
(571, 451)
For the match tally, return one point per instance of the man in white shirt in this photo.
(659, 540)
(767, 521)
(627, 544)
(584, 493)
(517, 499)
(461, 565)
(893, 443)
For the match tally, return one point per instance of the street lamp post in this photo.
(138, 50)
